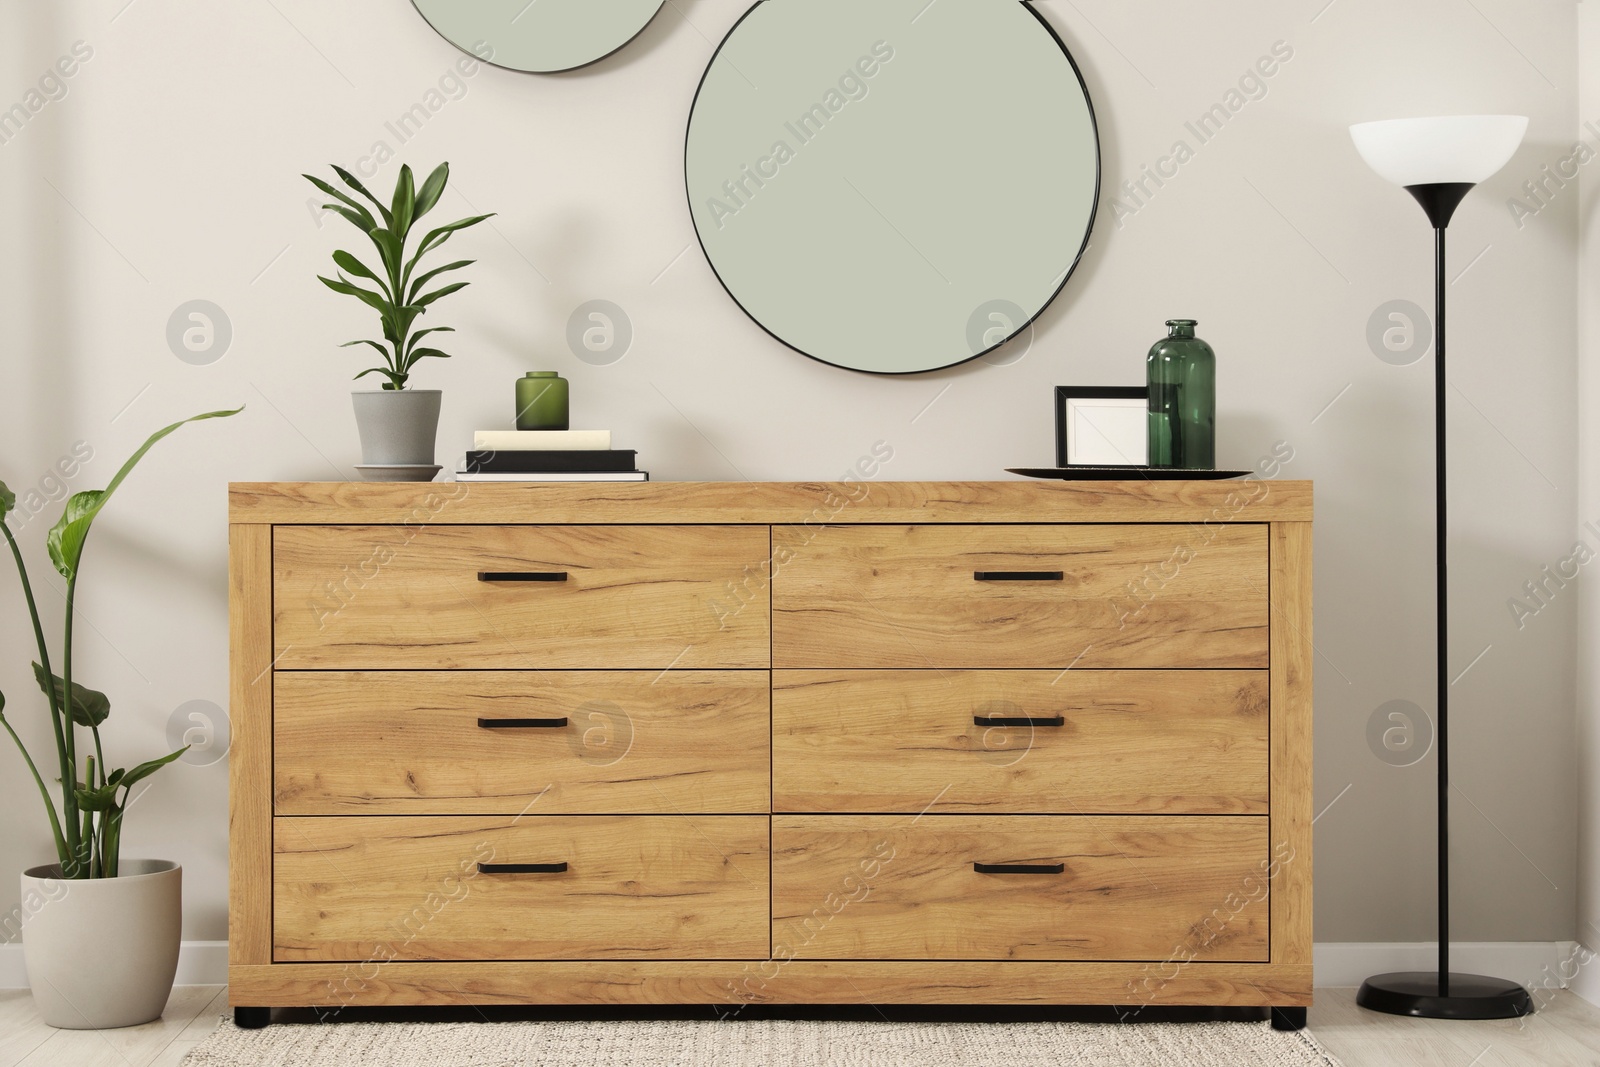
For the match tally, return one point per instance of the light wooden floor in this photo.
(1566, 1033)
(191, 1014)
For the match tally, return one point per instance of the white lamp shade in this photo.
(1449, 149)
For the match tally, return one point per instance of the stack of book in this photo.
(549, 456)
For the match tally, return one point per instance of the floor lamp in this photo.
(1439, 160)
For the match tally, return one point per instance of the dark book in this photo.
(610, 460)
(554, 476)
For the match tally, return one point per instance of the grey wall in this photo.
(169, 172)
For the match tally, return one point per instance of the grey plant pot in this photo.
(398, 427)
(101, 953)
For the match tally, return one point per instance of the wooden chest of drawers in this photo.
(983, 743)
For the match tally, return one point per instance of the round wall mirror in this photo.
(542, 36)
(893, 186)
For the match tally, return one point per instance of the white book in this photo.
(555, 476)
(541, 440)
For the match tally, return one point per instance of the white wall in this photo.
(169, 172)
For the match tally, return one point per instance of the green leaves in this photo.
(8, 503)
(432, 190)
(366, 296)
(101, 799)
(350, 180)
(353, 212)
(104, 798)
(405, 202)
(438, 237)
(66, 538)
(399, 300)
(351, 265)
(391, 247)
(87, 822)
(147, 768)
(417, 285)
(454, 287)
(89, 708)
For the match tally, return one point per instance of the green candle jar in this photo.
(1182, 373)
(542, 401)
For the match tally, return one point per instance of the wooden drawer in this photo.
(639, 887)
(396, 597)
(1176, 742)
(1118, 596)
(591, 742)
(1131, 888)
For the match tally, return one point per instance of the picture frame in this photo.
(1102, 426)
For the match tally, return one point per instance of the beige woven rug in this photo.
(767, 1043)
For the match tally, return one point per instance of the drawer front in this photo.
(1177, 742)
(1129, 888)
(640, 887)
(539, 597)
(1048, 596)
(505, 742)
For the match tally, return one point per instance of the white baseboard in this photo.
(1539, 964)
(1533, 963)
(1586, 982)
(199, 963)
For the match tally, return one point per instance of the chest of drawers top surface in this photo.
(774, 503)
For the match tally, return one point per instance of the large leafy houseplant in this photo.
(87, 823)
(400, 297)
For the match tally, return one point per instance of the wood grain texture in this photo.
(636, 887)
(1292, 656)
(343, 942)
(1172, 742)
(383, 598)
(775, 503)
(640, 742)
(1141, 888)
(728, 985)
(1131, 596)
(250, 757)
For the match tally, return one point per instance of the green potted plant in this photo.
(398, 425)
(100, 934)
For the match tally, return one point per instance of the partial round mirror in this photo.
(542, 36)
(893, 186)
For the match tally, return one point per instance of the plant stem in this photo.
(70, 781)
(69, 839)
(100, 757)
(44, 792)
(112, 849)
(82, 863)
(103, 832)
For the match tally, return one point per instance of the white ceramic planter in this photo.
(102, 953)
(397, 427)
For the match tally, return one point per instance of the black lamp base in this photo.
(1470, 996)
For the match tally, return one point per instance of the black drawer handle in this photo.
(522, 576)
(522, 868)
(1019, 576)
(1019, 720)
(523, 724)
(1019, 868)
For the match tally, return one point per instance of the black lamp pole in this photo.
(1423, 993)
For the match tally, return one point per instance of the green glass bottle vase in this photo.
(542, 402)
(1182, 373)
